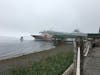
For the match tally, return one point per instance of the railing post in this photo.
(78, 56)
(75, 57)
(76, 45)
(81, 55)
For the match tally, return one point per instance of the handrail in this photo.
(78, 62)
(86, 49)
(76, 65)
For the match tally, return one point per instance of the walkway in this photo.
(92, 62)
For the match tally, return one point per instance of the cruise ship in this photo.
(49, 35)
(45, 36)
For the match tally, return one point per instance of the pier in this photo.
(85, 49)
(86, 59)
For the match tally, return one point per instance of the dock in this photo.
(86, 59)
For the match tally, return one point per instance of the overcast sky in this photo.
(26, 17)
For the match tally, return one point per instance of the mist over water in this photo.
(13, 47)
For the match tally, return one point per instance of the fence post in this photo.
(79, 44)
(81, 55)
(75, 57)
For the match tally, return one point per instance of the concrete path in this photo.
(92, 62)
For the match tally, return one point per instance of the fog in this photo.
(26, 17)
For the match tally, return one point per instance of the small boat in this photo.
(21, 38)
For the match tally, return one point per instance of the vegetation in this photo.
(53, 65)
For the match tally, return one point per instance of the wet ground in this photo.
(92, 62)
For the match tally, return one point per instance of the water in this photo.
(10, 48)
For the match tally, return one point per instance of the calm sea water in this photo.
(10, 48)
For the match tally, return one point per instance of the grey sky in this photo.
(25, 17)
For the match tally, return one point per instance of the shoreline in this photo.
(27, 60)
(20, 55)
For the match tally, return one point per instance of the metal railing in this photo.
(78, 57)
(78, 62)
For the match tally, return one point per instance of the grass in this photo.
(53, 65)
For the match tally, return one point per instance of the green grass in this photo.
(53, 65)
